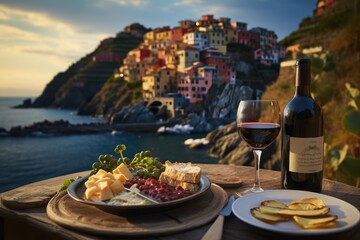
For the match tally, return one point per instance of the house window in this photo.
(192, 88)
(194, 95)
(203, 89)
(206, 82)
(186, 54)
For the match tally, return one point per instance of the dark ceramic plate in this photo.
(76, 190)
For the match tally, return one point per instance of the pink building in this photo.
(196, 82)
(269, 56)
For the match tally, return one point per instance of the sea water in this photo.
(29, 159)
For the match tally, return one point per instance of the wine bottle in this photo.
(302, 152)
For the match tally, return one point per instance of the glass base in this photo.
(254, 189)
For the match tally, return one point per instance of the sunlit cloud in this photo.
(38, 43)
(188, 2)
(37, 33)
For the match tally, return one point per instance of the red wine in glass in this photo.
(258, 135)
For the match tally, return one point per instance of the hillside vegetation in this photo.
(76, 86)
(336, 74)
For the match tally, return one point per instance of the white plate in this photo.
(348, 215)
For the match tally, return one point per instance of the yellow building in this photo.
(216, 38)
(156, 85)
(148, 86)
(231, 35)
(164, 34)
(186, 57)
(149, 37)
(165, 82)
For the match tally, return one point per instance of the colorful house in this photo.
(216, 38)
(196, 82)
(269, 56)
(188, 24)
(163, 34)
(197, 39)
(249, 38)
(159, 83)
(221, 62)
(186, 57)
(178, 33)
(267, 39)
(239, 26)
(231, 35)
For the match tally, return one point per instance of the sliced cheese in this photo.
(106, 193)
(91, 191)
(104, 185)
(122, 169)
(117, 186)
(119, 176)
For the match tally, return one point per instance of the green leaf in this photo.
(351, 166)
(351, 122)
(66, 184)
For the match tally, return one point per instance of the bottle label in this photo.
(306, 154)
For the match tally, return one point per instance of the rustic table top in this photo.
(35, 197)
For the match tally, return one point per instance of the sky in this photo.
(40, 38)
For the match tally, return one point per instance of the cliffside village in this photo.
(179, 65)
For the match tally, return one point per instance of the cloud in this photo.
(39, 34)
(135, 3)
(189, 3)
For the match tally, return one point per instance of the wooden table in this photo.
(34, 223)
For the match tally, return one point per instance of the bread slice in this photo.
(192, 187)
(183, 172)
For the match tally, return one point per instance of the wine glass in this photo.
(258, 123)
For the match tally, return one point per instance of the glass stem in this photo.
(257, 157)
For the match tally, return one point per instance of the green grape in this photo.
(140, 173)
(142, 164)
(102, 158)
(156, 173)
(147, 153)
